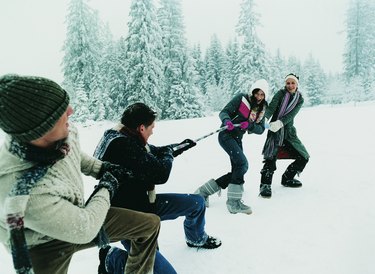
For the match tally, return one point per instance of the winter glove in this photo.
(229, 125)
(244, 125)
(275, 126)
(119, 172)
(109, 182)
(188, 143)
(163, 151)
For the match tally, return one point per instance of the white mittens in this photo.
(275, 126)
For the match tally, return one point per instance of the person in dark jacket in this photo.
(282, 141)
(247, 112)
(127, 145)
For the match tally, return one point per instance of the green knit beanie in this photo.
(30, 106)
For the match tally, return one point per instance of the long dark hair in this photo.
(254, 104)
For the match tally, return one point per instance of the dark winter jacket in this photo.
(233, 111)
(287, 120)
(150, 168)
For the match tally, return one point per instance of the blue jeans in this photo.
(168, 207)
(117, 257)
(233, 147)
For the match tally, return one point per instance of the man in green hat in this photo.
(41, 189)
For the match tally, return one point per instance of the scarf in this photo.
(18, 197)
(276, 139)
(250, 109)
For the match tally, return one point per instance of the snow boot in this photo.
(265, 191)
(208, 189)
(102, 256)
(234, 203)
(265, 183)
(267, 175)
(211, 243)
(288, 180)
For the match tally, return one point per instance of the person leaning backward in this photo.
(44, 218)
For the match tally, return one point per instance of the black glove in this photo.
(109, 182)
(163, 151)
(111, 177)
(119, 172)
(189, 144)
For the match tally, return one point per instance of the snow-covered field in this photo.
(325, 227)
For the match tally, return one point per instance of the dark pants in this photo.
(117, 259)
(233, 147)
(296, 167)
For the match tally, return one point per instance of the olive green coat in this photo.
(288, 121)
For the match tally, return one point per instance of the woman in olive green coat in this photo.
(282, 141)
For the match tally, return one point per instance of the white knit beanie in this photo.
(292, 76)
(260, 84)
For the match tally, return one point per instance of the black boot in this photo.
(102, 255)
(265, 191)
(265, 183)
(291, 183)
(267, 175)
(288, 180)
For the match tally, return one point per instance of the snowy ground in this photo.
(325, 227)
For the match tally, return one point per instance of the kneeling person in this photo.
(45, 218)
(126, 145)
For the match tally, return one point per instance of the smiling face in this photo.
(291, 85)
(259, 96)
(58, 132)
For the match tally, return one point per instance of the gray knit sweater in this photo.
(56, 208)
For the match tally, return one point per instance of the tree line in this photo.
(154, 64)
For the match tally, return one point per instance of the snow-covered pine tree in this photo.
(215, 63)
(359, 56)
(144, 51)
(111, 71)
(99, 101)
(293, 65)
(114, 68)
(254, 62)
(200, 68)
(180, 92)
(277, 75)
(314, 82)
(335, 89)
(232, 59)
(96, 101)
(81, 114)
(360, 41)
(82, 48)
(354, 91)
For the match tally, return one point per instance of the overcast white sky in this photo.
(32, 32)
